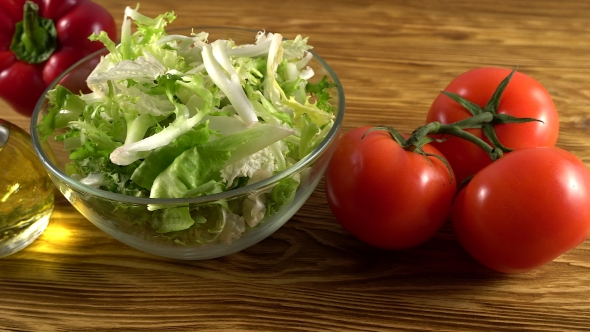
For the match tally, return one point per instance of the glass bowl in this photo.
(128, 219)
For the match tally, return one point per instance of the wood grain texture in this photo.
(393, 57)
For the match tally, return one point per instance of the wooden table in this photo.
(393, 58)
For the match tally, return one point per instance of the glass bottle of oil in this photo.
(26, 192)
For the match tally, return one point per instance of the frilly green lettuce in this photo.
(174, 116)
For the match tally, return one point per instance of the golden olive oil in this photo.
(26, 192)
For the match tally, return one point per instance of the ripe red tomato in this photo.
(384, 195)
(524, 210)
(523, 97)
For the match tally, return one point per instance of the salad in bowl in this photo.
(192, 145)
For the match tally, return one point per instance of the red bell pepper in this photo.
(39, 39)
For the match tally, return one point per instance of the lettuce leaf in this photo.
(174, 116)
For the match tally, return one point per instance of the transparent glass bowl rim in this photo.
(55, 171)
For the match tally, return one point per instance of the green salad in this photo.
(176, 116)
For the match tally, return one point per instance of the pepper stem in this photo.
(35, 37)
(31, 25)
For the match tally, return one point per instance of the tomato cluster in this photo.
(516, 202)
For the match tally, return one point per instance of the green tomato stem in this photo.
(484, 118)
(457, 129)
